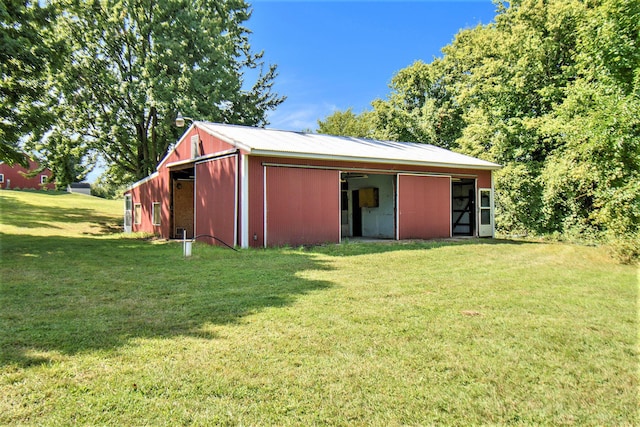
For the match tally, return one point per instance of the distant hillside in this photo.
(49, 213)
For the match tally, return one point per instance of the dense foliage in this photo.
(25, 57)
(550, 90)
(122, 70)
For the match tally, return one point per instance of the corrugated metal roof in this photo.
(271, 142)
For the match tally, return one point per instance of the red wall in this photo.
(303, 206)
(439, 187)
(256, 202)
(157, 189)
(216, 199)
(154, 190)
(424, 208)
(15, 177)
(208, 145)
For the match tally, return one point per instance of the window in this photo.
(156, 213)
(137, 213)
(1, 178)
(485, 207)
(43, 179)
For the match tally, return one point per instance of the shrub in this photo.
(625, 248)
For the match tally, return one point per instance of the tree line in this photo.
(550, 90)
(87, 78)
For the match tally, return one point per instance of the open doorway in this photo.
(368, 205)
(182, 198)
(463, 207)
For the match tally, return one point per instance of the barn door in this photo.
(424, 207)
(485, 227)
(216, 202)
(302, 206)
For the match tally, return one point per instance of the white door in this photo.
(127, 213)
(485, 212)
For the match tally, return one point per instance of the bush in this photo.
(625, 249)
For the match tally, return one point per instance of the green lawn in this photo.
(99, 328)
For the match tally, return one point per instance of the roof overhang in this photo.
(142, 181)
(188, 163)
(376, 160)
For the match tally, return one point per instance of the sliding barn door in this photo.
(302, 206)
(424, 207)
(216, 201)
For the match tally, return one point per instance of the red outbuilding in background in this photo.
(16, 177)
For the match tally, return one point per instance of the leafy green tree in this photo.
(421, 107)
(133, 64)
(24, 59)
(551, 90)
(346, 123)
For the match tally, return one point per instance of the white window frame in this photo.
(137, 213)
(43, 179)
(156, 206)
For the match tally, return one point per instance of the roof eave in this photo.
(142, 181)
(224, 138)
(271, 153)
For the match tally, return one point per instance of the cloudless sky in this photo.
(332, 54)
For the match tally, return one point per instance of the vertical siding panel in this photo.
(302, 206)
(256, 203)
(424, 207)
(215, 201)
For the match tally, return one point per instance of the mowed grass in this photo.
(103, 329)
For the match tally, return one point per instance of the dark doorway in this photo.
(182, 197)
(463, 207)
(357, 213)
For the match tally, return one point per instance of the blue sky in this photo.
(332, 55)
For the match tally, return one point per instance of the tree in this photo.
(133, 64)
(550, 90)
(24, 59)
(346, 123)
(420, 108)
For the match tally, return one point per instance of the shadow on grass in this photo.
(71, 295)
(18, 213)
(354, 248)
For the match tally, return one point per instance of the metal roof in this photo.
(278, 143)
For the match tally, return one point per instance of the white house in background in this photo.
(79, 188)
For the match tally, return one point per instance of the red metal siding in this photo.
(484, 179)
(154, 190)
(424, 207)
(379, 167)
(14, 177)
(215, 199)
(208, 145)
(256, 202)
(302, 206)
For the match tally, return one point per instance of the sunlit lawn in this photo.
(102, 329)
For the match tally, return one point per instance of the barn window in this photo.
(155, 213)
(1, 178)
(43, 179)
(137, 213)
